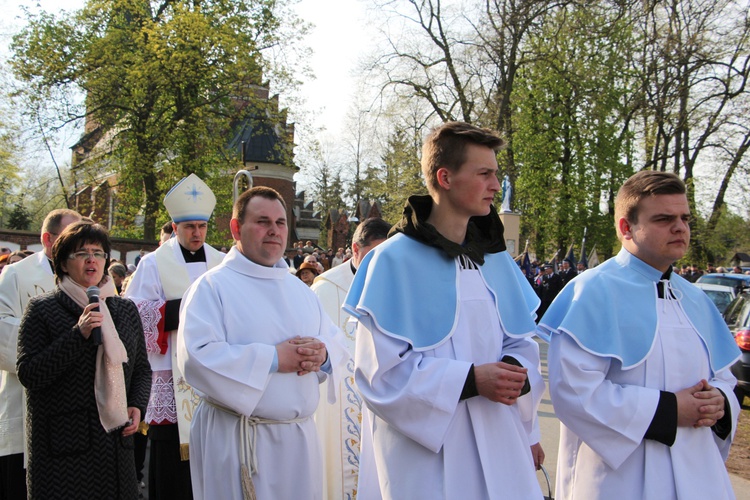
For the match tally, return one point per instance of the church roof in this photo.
(263, 143)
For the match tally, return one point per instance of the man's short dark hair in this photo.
(167, 228)
(238, 211)
(369, 230)
(641, 185)
(446, 147)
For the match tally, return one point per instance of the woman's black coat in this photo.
(70, 455)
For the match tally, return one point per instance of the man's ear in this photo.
(624, 226)
(444, 178)
(234, 227)
(47, 240)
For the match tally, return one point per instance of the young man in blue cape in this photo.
(444, 360)
(639, 363)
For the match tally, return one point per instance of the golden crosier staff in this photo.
(237, 178)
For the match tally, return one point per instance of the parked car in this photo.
(737, 317)
(738, 281)
(720, 295)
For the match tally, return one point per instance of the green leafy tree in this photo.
(585, 94)
(9, 159)
(400, 174)
(9, 171)
(730, 235)
(20, 218)
(693, 68)
(461, 59)
(163, 81)
(571, 134)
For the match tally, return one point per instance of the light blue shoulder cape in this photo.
(610, 311)
(410, 291)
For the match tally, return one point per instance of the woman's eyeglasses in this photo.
(88, 255)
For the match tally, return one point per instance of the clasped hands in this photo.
(302, 355)
(699, 406)
(500, 382)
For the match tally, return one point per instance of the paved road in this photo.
(550, 427)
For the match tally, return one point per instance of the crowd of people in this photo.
(548, 282)
(310, 262)
(692, 272)
(420, 338)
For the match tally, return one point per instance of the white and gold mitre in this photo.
(190, 199)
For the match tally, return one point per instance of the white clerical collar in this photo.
(237, 261)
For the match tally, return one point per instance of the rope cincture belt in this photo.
(247, 444)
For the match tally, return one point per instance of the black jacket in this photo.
(70, 455)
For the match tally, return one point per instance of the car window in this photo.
(736, 281)
(720, 299)
(744, 314)
(733, 311)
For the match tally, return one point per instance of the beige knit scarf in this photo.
(109, 381)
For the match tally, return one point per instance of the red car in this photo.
(737, 317)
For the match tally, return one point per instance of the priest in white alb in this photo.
(639, 364)
(255, 343)
(339, 424)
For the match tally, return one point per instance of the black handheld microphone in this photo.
(92, 293)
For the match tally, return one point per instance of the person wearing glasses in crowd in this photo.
(18, 284)
(307, 272)
(84, 398)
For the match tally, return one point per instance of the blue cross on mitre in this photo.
(190, 199)
(194, 193)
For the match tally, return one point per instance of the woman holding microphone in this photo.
(85, 396)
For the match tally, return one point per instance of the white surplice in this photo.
(230, 322)
(339, 424)
(605, 412)
(418, 440)
(148, 292)
(19, 283)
